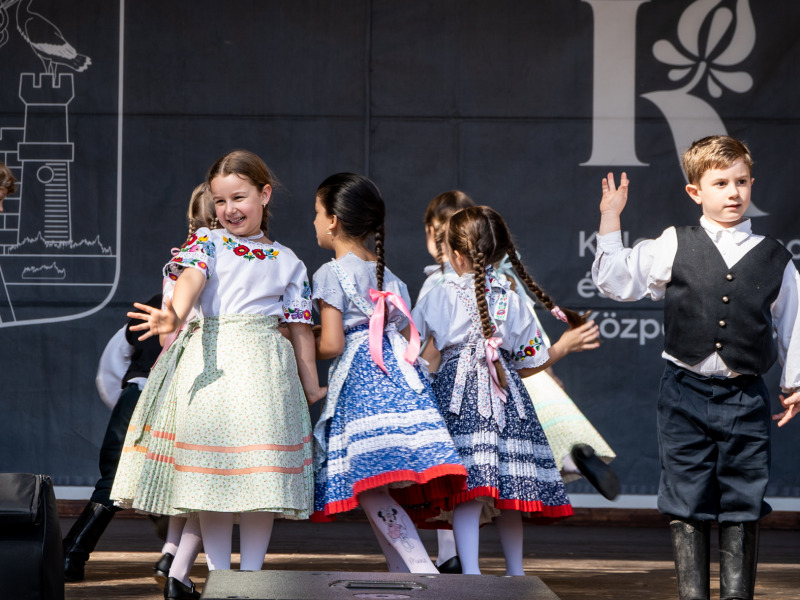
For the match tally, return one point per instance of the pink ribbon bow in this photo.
(490, 347)
(559, 314)
(376, 328)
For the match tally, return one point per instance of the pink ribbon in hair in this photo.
(492, 355)
(558, 314)
(376, 327)
(175, 251)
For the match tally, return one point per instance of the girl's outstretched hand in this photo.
(792, 406)
(584, 337)
(614, 198)
(157, 321)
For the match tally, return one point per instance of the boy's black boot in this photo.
(595, 471)
(738, 557)
(82, 538)
(691, 551)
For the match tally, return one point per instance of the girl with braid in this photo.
(486, 339)
(380, 441)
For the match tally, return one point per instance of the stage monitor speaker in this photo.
(340, 585)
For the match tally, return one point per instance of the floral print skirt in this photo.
(222, 425)
(512, 468)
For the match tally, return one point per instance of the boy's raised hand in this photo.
(612, 203)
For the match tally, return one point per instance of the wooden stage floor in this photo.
(576, 562)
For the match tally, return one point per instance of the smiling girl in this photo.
(233, 434)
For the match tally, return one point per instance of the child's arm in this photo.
(786, 321)
(302, 340)
(431, 355)
(159, 321)
(791, 404)
(612, 203)
(330, 342)
(578, 339)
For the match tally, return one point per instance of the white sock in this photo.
(447, 545)
(466, 527)
(188, 548)
(173, 535)
(568, 465)
(217, 529)
(255, 529)
(509, 525)
(394, 524)
(394, 563)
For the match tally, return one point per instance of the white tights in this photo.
(173, 535)
(447, 545)
(396, 533)
(255, 529)
(466, 526)
(188, 548)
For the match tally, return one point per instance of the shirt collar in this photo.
(739, 233)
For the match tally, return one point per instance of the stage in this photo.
(576, 562)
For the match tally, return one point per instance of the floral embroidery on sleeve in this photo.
(194, 253)
(299, 310)
(245, 252)
(529, 350)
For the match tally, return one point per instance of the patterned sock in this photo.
(255, 529)
(188, 548)
(466, 526)
(509, 525)
(394, 563)
(447, 545)
(217, 529)
(397, 529)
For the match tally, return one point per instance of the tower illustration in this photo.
(45, 154)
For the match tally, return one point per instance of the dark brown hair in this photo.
(7, 179)
(358, 205)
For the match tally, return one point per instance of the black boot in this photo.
(738, 557)
(82, 538)
(691, 551)
(175, 590)
(452, 566)
(161, 568)
(595, 471)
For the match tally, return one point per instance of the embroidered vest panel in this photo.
(712, 308)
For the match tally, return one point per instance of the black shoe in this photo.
(691, 551)
(451, 566)
(599, 474)
(82, 538)
(738, 557)
(175, 590)
(161, 568)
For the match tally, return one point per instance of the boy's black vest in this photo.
(712, 308)
(145, 352)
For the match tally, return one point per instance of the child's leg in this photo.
(691, 551)
(173, 535)
(466, 527)
(738, 557)
(509, 525)
(217, 529)
(447, 545)
(188, 549)
(397, 529)
(393, 560)
(255, 530)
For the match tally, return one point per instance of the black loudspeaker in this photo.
(318, 585)
(31, 556)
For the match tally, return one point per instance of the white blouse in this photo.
(245, 277)
(445, 317)
(327, 288)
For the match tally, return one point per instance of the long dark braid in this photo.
(380, 232)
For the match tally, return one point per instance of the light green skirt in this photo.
(222, 425)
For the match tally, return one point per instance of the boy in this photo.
(725, 291)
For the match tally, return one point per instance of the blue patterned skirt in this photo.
(511, 469)
(383, 433)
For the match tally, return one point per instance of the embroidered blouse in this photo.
(245, 277)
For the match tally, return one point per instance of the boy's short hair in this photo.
(714, 152)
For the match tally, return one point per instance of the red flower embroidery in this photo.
(190, 241)
(202, 265)
(259, 254)
(241, 250)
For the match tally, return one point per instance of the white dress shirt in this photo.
(629, 274)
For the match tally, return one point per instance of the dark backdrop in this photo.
(523, 105)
